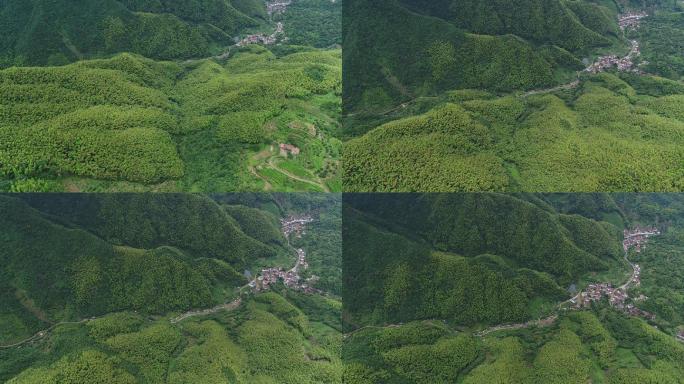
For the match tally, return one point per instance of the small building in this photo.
(289, 148)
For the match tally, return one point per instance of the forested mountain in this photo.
(38, 32)
(397, 50)
(609, 133)
(315, 23)
(130, 123)
(495, 243)
(81, 255)
(101, 281)
(512, 95)
(171, 96)
(662, 37)
(442, 288)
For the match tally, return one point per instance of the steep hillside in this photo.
(74, 256)
(163, 288)
(662, 37)
(608, 133)
(39, 32)
(496, 45)
(402, 253)
(316, 23)
(192, 222)
(198, 126)
(416, 311)
(572, 25)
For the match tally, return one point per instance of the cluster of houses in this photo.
(295, 224)
(291, 278)
(631, 20)
(638, 237)
(288, 148)
(617, 297)
(260, 38)
(596, 292)
(623, 64)
(270, 276)
(277, 7)
(267, 277)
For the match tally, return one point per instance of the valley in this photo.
(492, 125)
(209, 118)
(231, 331)
(424, 317)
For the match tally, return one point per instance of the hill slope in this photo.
(39, 32)
(102, 253)
(418, 312)
(609, 133)
(201, 125)
(399, 50)
(402, 253)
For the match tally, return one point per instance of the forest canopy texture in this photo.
(445, 96)
(38, 32)
(477, 288)
(169, 96)
(93, 286)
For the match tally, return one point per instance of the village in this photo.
(626, 21)
(624, 64)
(631, 20)
(637, 237)
(277, 7)
(260, 38)
(292, 225)
(295, 224)
(272, 8)
(617, 296)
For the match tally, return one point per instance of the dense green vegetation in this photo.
(662, 281)
(130, 123)
(496, 45)
(157, 95)
(608, 134)
(661, 36)
(415, 308)
(471, 259)
(39, 32)
(149, 252)
(266, 340)
(102, 277)
(580, 347)
(316, 23)
(490, 96)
